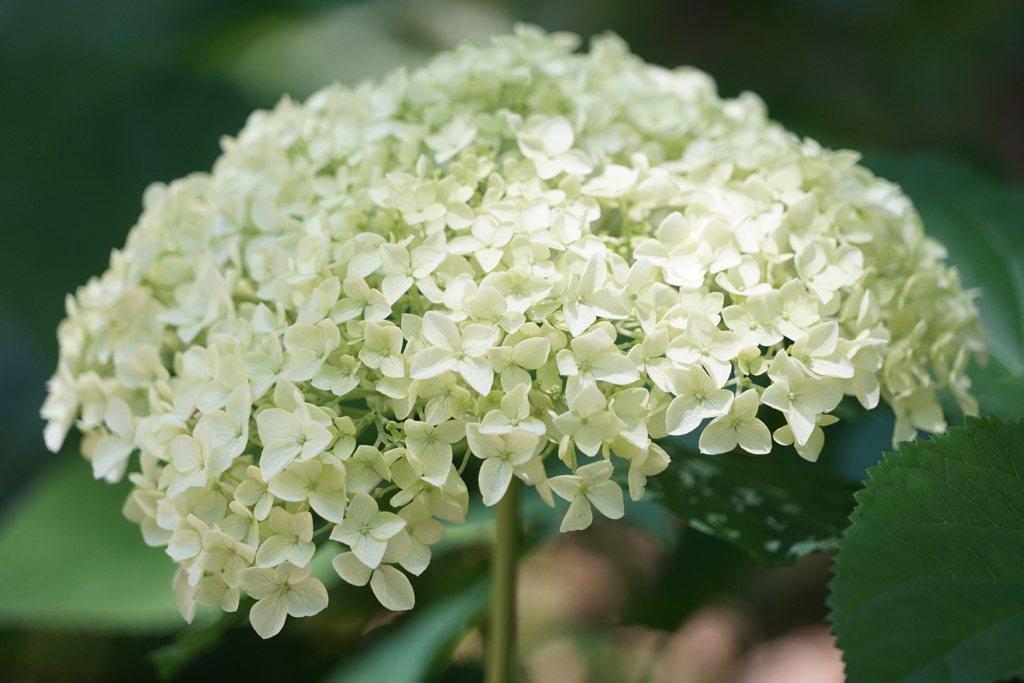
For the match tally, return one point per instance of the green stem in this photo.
(501, 637)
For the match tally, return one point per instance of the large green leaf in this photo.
(415, 647)
(776, 507)
(929, 579)
(71, 560)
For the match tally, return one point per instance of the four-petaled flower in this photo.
(366, 529)
(464, 351)
(283, 590)
(590, 485)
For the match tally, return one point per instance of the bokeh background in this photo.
(98, 99)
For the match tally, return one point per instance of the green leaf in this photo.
(419, 644)
(71, 560)
(929, 579)
(193, 642)
(775, 507)
(696, 570)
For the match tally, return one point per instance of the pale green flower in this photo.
(390, 586)
(288, 537)
(514, 414)
(501, 454)
(322, 484)
(288, 435)
(279, 592)
(588, 422)
(697, 397)
(430, 446)
(307, 348)
(738, 425)
(800, 396)
(590, 485)
(592, 358)
(318, 324)
(225, 556)
(382, 349)
(366, 529)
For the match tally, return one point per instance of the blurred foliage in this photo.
(71, 560)
(103, 98)
(775, 507)
(422, 646)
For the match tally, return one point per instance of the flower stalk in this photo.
(502, 632)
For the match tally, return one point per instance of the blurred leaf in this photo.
(698, 570)
(999, 393)
(650, 518)
(348, 43)
(194, 642)
(978, 219)
(71, 560)
(775, 507)
(418, 646)
(929, 579)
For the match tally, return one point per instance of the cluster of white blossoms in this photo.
(521, 254)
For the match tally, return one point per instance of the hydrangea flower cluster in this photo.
(521, 254)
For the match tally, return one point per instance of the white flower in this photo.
(462, 351)
(323, 485)
(514, 414)
(364, 468)
(817, 352)
(279, 592)
(225, 556)
(265, 365)
(402, 270)
(430, 446)
(451, 139)
(738, 426)
(216, 592)
(588, 422)
(287, 435)
(590, 485)
(586, 296)
(811, 449)
(593, 357)
(390, 586)
(548, 143)
(514, 361)
(705, 344)
(800, 396)
(307, 348)
(383, 349)
(485, 242)
(361, 300)
(318, 323)
(366, 529)
(110, 458)
(229, 428)
(697, 397)
(424, 531)
(757, 319)
(290, 538)
(501, 454)
(193, 461)
(253, 492)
